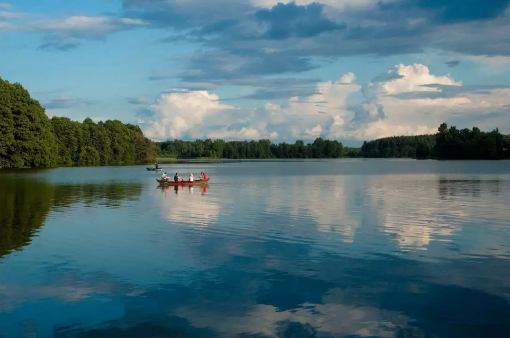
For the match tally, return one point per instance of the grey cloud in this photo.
(277, 63)
(460, 10)
(238, 125)
(137, 100)
(452, 63)
(246, 41)
(385, 77)
(489, 121)
(268, 88)
(274, 82)
(219, 65)
(185, 14)
(282, 93)
(84, 27)
(193, 36)
(396, 28)
(60, 46)
(287, 20)
(65, 34)
(66, 102)
(447, 91)
(158, 75)
(239, 37)
(392, 33)
(145, 112)
(233, 19)
(197, 85)
(219, 26)
(493, 115)
(237, 33)
(51, 92)
(361, 115)
(175, 90)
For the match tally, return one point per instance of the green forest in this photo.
(261, 149)
(448, 143)
(28, 138)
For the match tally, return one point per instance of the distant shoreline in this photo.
(163, 161)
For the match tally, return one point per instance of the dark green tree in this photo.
(26, 136)
(422, 150)
(29, 139)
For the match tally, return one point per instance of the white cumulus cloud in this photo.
(405, 100)
(306, 117)
(243, 134)
(177, 115)
(402, 79)
(419, 98)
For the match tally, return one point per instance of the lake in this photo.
(291, 249)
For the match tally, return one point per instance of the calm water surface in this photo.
(349, 248)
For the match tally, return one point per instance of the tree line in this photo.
(261, 149)
(28, 138)
(102, 143)
(448, 143)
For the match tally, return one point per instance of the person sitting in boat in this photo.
(203, 176)
(164, 177)
(177, 178)
(191, 177)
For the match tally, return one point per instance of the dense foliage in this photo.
(29, 139)
(103, 143)
(400, 146)
(448, 143)
(452, 143)
(262, 149)
(26, 137)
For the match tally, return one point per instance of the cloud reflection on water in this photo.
(187, 205)
(413, 211)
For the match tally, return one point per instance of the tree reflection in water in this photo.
(25, 204)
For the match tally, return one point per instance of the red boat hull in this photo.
(172, 183)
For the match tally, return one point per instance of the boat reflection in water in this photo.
(189, 205)
(190, 189)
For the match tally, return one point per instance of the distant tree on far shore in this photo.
(448, 143)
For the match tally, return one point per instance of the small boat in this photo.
(172, 183)
(154, 169)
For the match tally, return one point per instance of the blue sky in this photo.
(351, 70)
